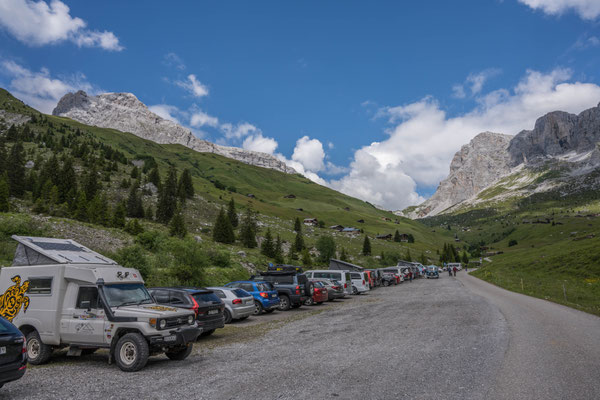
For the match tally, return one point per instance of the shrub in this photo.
(134, 257)
(219, 258)
(512, 242)
(150, 240)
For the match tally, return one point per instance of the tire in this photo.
(269, 311)
(132, 352)
(354, 290)
(207, 333)
(386, 283)
(309, 302)
(227, 317)
(181, 354)
(309, 288)
(258, 308)
(284, 303)
(37, 352)
(87, 352)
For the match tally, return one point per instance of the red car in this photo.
(319, 296)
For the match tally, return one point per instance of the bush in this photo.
(512, 242)
(134, 257)
(150, 240)
(219, 258)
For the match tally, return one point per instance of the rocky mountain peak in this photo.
(124, 112)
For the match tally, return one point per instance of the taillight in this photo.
(345, 286)
(297, 289)
(24, 349)
(264, 295)
(195, 307)
(237, 301)
(363, 281)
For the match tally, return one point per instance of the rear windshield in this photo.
(206, 297)
(241, 293)
(355, 276)
(6, 326)
(220, 294)
(302, 279)
(348, 277)
(264, 287)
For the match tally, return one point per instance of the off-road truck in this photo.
(62, 294)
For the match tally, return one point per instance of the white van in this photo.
(342, 277)
(360, 282)
(60, 293)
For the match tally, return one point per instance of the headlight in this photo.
(191, 319)
(162, 324)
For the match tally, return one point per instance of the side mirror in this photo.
(87, 305)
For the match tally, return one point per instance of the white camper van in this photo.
(60, 293)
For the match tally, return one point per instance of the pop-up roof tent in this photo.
(344, 266)
(44, 251)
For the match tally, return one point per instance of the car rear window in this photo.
(206, 297)
(264, 287)
(241, 293)
(302, 279)
(220, 294)
(5, 326)
(355, 276)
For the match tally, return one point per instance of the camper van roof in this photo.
(59, 251)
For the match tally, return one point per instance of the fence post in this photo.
(564, 292)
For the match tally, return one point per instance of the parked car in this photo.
(343, 277)
(264, 293)
(62, 294)
(13, 352)
(432, 272)
(372, 278)
(359, 282)
(293, 287)
(320, 294)
(396, 271)
(388, 279)
(239, 304)
(206, 305)
(335, 290)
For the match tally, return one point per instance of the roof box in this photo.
(44, 251)
(285, 268)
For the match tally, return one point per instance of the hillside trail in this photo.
(553, 351)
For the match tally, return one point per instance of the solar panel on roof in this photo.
(58, 246)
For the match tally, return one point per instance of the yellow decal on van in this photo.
(14, 297)
(161, 308)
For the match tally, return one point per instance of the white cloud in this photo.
(586, 42)
(260, 143)
(309, 152)
(458, 91)
(173, 60)
(39, 89)
(587, 9)
(424, 138)
(37, 24)
(239, 130)
(166, 111)
(474, 82)
(192, 85)
(200, 118)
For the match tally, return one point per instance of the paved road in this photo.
(429, 339)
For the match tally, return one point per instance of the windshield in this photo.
(241, 293)
(124, 294)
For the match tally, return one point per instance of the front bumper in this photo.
(177, 337)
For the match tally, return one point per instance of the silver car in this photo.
(239, 304)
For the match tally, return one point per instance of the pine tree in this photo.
(81, 211)
(408, 257)
(177, 225)
(343, 255)
(299, 242)
(423, 259)
(306, 258)
(4, 194)
(278, 251)
(90, 183)
(67, 181)
(267, 247)
(232, 214)
(411, 238)
(366, 250)
(222, 230)
(248, 229)
(154, 177)
(135, 173)
(397, 237)
(12, 135)
(167, 198)
(297, 225)
(16, 170)
(465, 258)
(3, 157)
(186, 186)
(118, 218)
(292, 256)
(149, 213)
(135, 208)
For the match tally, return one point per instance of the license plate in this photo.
(274, 296)
(171, 338)
(213, 312)
(2, 350)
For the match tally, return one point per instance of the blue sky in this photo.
(370, 98)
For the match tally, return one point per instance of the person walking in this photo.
(454, 269)
(410, 275)
(449, 271)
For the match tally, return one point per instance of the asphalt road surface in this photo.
(452, 338)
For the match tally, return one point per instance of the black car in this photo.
(13, 352)
(205, 303)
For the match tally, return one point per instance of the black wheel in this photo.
(87, 352)
(180, 354)
(309, 302)
(309, 288)
(284, 303)
(207, 333)
(386, 283)
(269, 311)
(354, 290)
(227, 316)
(37, 352)
(258, 308)
(131, 352)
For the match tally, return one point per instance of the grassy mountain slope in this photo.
(219, 263)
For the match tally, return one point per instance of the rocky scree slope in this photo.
(560, 153)
(124, 112)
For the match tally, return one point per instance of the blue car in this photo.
(264, 293)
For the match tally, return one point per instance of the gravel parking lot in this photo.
(426, 339)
